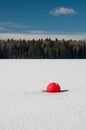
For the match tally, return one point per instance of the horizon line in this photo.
(28, 36)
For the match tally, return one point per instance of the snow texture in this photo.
(25, 106)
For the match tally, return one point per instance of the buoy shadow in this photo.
(62, 91)
(44, 91)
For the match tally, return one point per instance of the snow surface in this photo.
(24, 105)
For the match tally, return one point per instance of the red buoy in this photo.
(53, 87)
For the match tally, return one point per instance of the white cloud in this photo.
(38, 32)
(5, 23)
(22, 36)
(62, 11)
(12, 25)
(2, 28)
(18, 26)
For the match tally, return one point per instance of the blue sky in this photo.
(43, 16)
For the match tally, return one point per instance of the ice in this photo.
(24, 104)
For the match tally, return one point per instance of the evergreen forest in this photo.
(42, 49)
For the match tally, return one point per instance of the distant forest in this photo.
(42, 49)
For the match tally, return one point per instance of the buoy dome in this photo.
(53, 87)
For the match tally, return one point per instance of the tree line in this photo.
(42, 49)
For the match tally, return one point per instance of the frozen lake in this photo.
(23, 105)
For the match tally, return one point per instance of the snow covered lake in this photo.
(24, 105)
